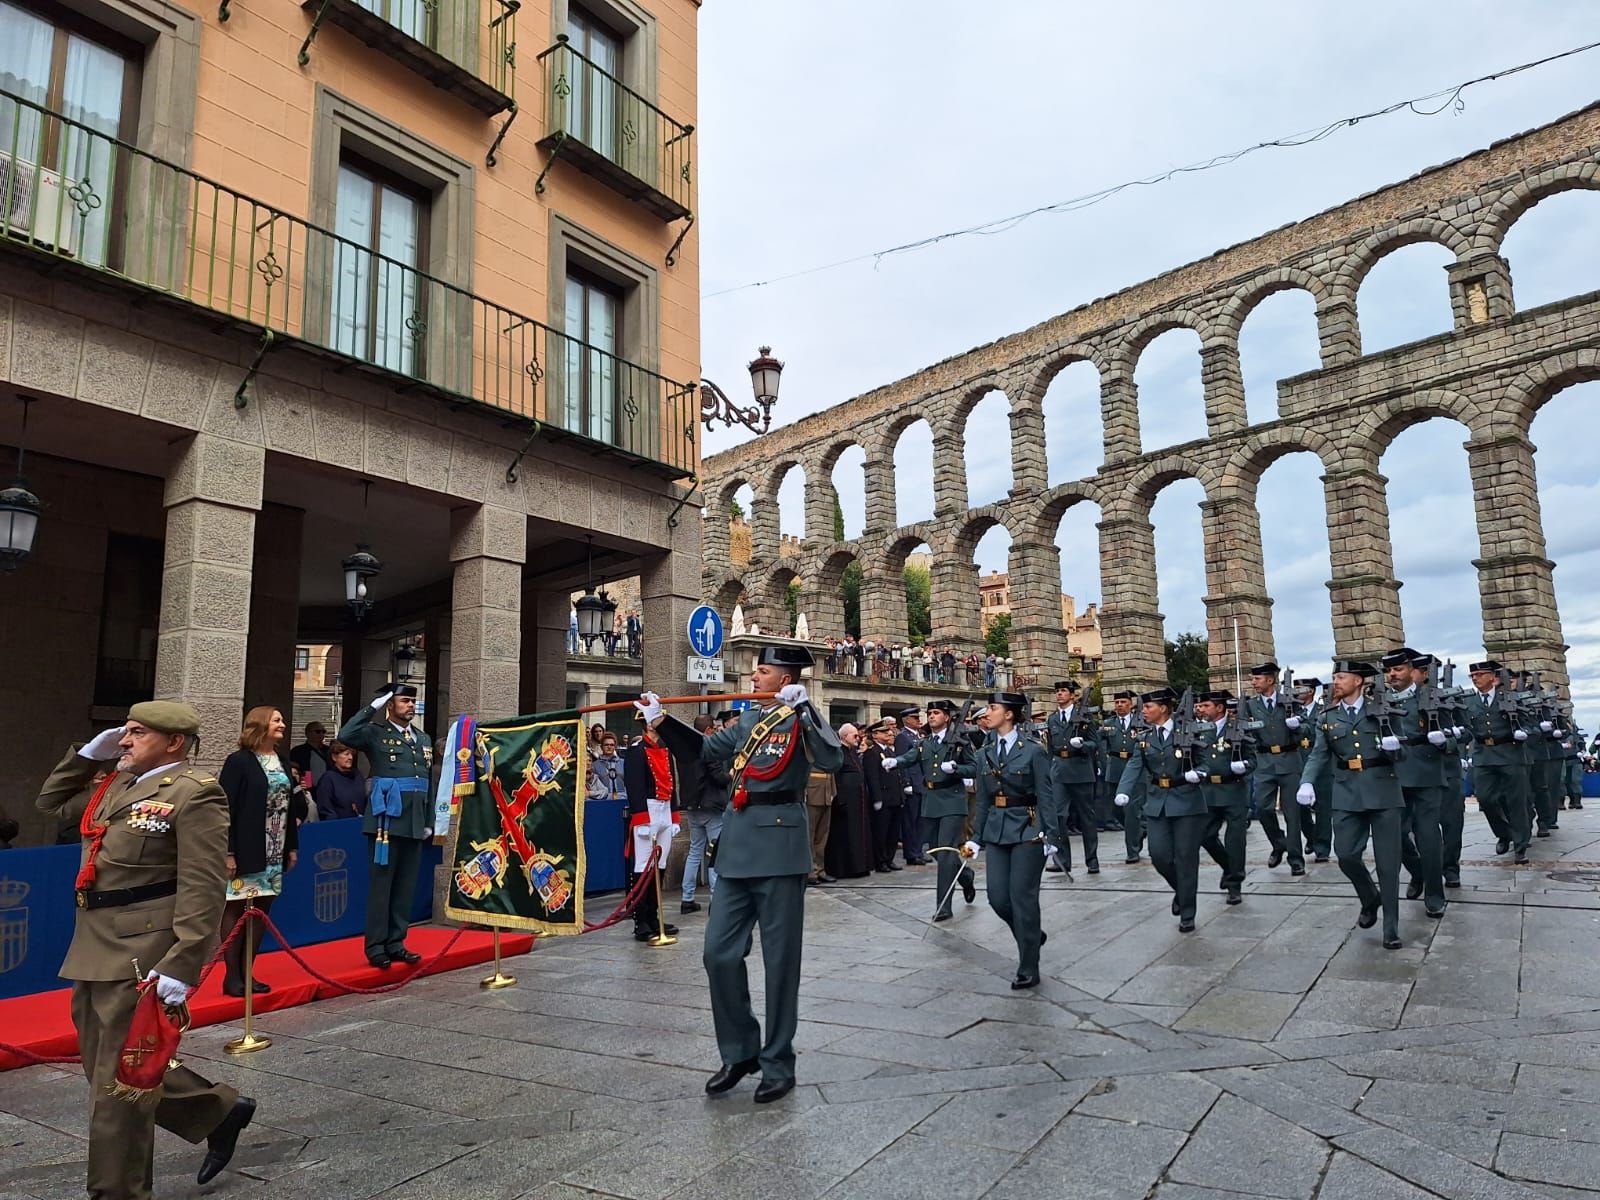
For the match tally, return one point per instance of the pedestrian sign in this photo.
(705, 632)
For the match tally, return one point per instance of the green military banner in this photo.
(516, 851)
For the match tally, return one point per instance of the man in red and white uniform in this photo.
(651, 776)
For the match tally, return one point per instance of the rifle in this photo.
(975, 735)
(1286, 696)
(1505, 699)
(1429, 703)
(1382, 711)
(1183, 725)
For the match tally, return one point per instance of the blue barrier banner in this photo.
(605, 825)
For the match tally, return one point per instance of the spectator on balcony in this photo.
(572, 631)
(989, 665)
(341, 792)
(947, 666)
(635, 631)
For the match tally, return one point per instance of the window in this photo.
(592, 324)
(302, 658)
(593, 103)
(378, 309)
(130, 616)
(412, 17)
(58, 65)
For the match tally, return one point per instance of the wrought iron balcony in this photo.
(607, 130)
(108, 208)
(438, 39)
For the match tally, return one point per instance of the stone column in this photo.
(488, 546)
(213, 493)
(1338, 332)
(1365, 593)
(1236, 587)
(880, 503)
(1038, 637)
(542, 681)
(718, 551)
(819, 505)
(274, 611)
(1480, 289)
(822, 601)
(949, 474)
(764, 527)
(1119, 414)
(1516, 586)
(1133, 652)
(953, 605)
(1029, 471)
(669, 590)
(1223, 382)
(883, 604)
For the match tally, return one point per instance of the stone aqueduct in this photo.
(1492, 373)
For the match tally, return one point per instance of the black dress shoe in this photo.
(727, 1076)
(769, 1090)
(1501, 846)
(894, 866)
(1322, 858)
(1367, 919)
(1234, 897)
(823, 878)
(1276, 857)
(1521, 858)
(1052, 866)
(689, 906)
(1452, 883)
(259, 988)
(1413, 889)
(1297, 870)
(1043, 937)
(1094, 866)
(236, 990)
(381, 961)
(880, 870)
(1435, 913)
(942, 916)
(222, 1140)
(1545, 832)
(1024, 981)
(968, 892)
(1132, 858)
(403, 955)
(1392, 943)
(1186, 925)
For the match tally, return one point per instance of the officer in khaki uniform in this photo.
(149, 892)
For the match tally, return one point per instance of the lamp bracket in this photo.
(672, 517)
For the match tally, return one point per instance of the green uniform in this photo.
(1119, 736)
(1548, 766)
(1572, 745)
(1175, 813)
(1452, 798)
(763, 857)
(1016, 813)
(1277, 775)
(1500, 767)
(1074, 771)
(405, 756)
(1367, 804)
(1316, 820)
(944, 806)
(1218, 745)
(1421, 774)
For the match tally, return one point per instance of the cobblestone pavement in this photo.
(1277, 1052)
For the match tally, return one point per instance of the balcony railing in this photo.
(105, 206)
(609, 131)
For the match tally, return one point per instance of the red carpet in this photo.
(42, 1023)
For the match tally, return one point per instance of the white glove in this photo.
(660, 812)
(426, 834)
(907, 789)
(104, 747)
(891, 763)
(1122, 799)
(1547, 726)
(1051, 851)
(1291, 722)
(1457, 730)
(382, 702)
(1306, 795)
(1390, 744)
(1191, 776)
(1436, 737)
(1520, 735)
(877, 805)
(1075, 743)
(170, 990)
(969, 848)
(1238, 768)
(949, 768)
(649, 706)
(792, 694)
(672, 831)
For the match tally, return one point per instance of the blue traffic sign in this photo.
(705, 632)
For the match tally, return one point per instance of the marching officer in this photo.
(150, 891)
(1119, 735)
(1367, 801)
(1175, 813)
(1572, 780)
(1223, 759)
(1421, 774)
(399, 816)
(1316, 821)
(1016, 825)
(1452, 797)
(906, 740)
(1277, 771)
(1072, 738)
(946, 766)
(1499, 761)
(763, 858)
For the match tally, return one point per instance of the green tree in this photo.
(838, 514)
(791, 601)
(850, 587)
(1188, 663)
(735, 509)
(919, 600)
(997, 638)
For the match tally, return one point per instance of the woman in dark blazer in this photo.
(263, 832)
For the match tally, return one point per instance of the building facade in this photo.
(281, 281)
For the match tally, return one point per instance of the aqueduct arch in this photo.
(1490, 372)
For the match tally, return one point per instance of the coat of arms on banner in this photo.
(330, 886)
(13, 924)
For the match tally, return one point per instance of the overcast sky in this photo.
(831, 129)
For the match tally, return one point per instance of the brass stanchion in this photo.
(499, 979)
(662, 937)
(249, 1043)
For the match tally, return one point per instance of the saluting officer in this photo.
(763, 858)
(1015, 826)
(399, 816)
(1072, 738)
(1119, 735)
(1316, 821)
(1499, 762)
(1421, 774)
(1223, 759)
(150, 891)
(1175, 813)
(1277, 771)
(946, 765)
(1367, 801)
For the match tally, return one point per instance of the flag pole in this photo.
(594, 708)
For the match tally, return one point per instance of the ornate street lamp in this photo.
(360, 568)
(765, 374)
(594, 612)
(405, 663)
(19, 508)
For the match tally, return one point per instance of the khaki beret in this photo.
(167, 716)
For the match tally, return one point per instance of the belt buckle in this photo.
(999, 802)
(1064, 753)
(1214, 778)
(1355, 764)
(82, 898)
(1124, 754)
(1166, 783)
(1274, 749)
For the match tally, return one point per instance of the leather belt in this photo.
(1064, 753)
(1352, 764)
(118, 897)
(1162, 783)
(1010, 801)
(1228, 778)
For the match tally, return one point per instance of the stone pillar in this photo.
(1038, 637)
(1236, 588)
(823, 605)
(1133, 652)
(1365, 593)
(1338, 331)
(953, 605)
(1029, 470)
(883, 605)
(542, 682)
(764, 528)
(949, 474)
(1480, 289)
(488, 546)
(718, 550)
(1516, 585)
(819, 506)
(669, 591)
(213, 493)
(1119, 413)
(880, 503)
(1223, 382)
(274, 610)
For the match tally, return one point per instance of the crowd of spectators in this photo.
(865, 657)
(625, 638)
